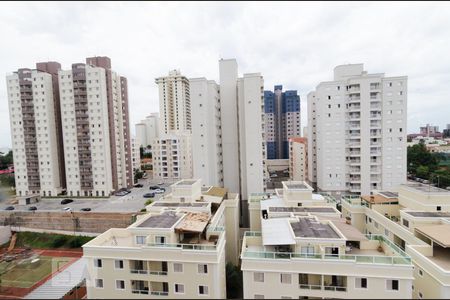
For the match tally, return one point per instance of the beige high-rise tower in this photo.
(33, 98)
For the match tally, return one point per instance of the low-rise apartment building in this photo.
(298, 159)
(177, 250)
(300, 247)
(417, 220)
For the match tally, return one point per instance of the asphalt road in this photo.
(131, 202)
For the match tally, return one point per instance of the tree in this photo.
(423, 172)
(234, 281)
(418, 155)
(6, 160)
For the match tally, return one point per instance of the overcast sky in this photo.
(293, 44)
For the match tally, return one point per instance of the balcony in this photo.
(399, 257)
(375, 86)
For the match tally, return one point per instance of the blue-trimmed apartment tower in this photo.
(282, 112)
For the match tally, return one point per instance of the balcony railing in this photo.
(335, 288)
(134, 271)
(162, 273)
(310, 286)
(143, 292)
(159, 293)
(184, 246)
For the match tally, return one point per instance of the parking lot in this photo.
(131, 202)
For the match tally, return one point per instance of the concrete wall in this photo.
(66, 221)
(5, 234)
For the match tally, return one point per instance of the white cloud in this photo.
(294, 44)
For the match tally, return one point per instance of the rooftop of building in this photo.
(381, 198)
(438, 233)
(428, 214)
(425, 188)
(302, 140)
(187, 182)
(164, 220)
(306, 209)
(297, 185)
(312, 228)
(180, 204)
(216, 192)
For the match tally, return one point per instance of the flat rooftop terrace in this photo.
(179, 204)
(302, 209)
(186, 182)
(310, 228)
(428, 214)
(165, 220)
(426, 188)
(296, 186)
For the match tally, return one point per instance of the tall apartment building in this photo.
(414, 218)
(282, 121)
(299, 247)
(172, 156)
(174, 102)
(357, 131)
(298, 159)
(177, 250)
(206, 131)
(35, 120)
(243, 143)
(135, 154)
(95, 124)
(429, 129)
(148, 129)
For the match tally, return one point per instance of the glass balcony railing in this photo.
(184, 246)
(400, 259)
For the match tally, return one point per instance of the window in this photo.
(99, 283)
(203, 290)
(405, 223)
(203, 269)
(118, 264)
(140, 240)
(308, 250)
(258, 277)
(120, 284)
(361, 283)
(179, 288)
(160, 239)
(420, 273)
(438, 208)
(98, 263)
(420, 295)
(392, 285)
(286, 278)
(177, 267)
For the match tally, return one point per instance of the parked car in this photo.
(9, 208)
(138, 185)
(154, 187)
(85, 209)
(66, 201)
(149, 195)
(32, 208)
(121, 193)
(161, 188)
(159, 191)
(67, 209)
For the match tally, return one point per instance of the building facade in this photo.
(415, 218)
(135, 154)
(428, 130)
(35, 120)
(299, 247)
(174, 102)
(172, 156)
(298, 159)
(179, 249)
(206, 131)
(148, 129)
(95, 125)
(242, 119)
(282, 121)
(357, 136)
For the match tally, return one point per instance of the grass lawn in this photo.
(25, 274)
